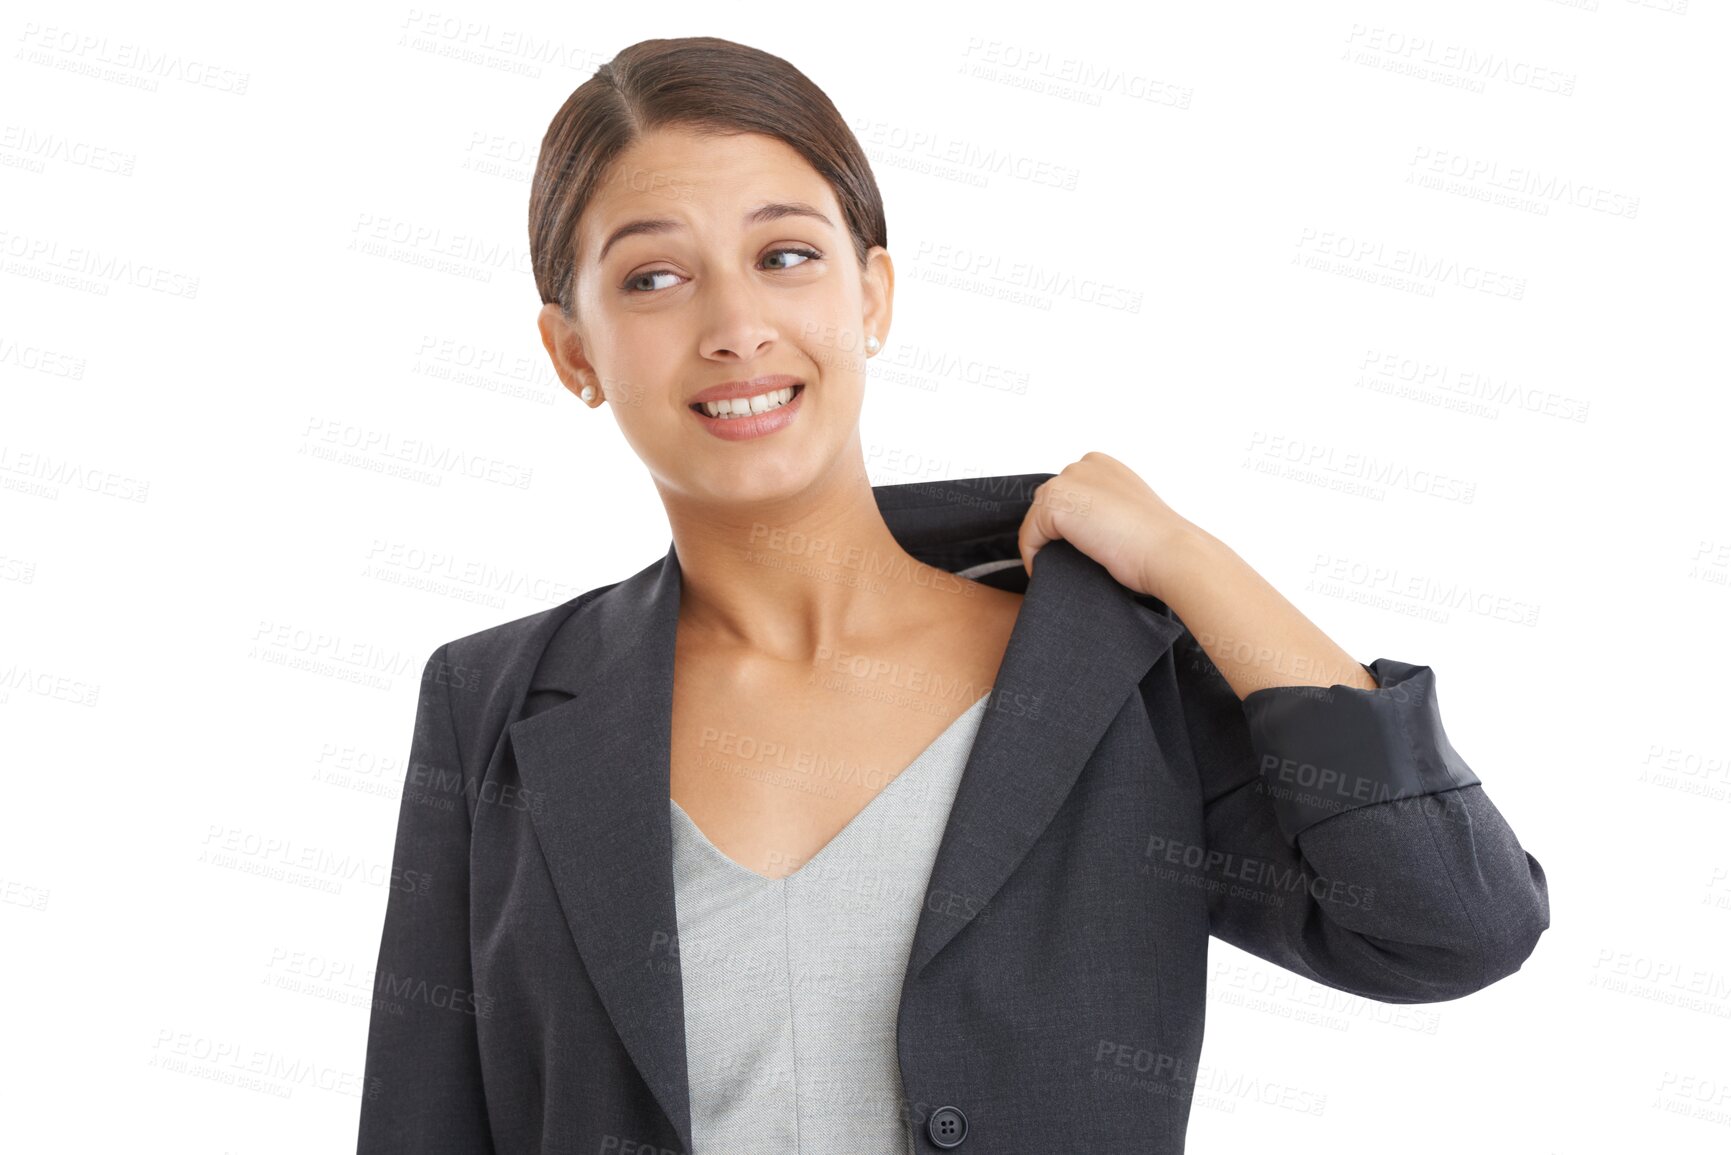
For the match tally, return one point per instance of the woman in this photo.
(884, 819)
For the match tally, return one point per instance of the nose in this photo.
(736, 322)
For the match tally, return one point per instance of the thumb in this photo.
(1034, 534)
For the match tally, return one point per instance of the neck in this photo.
(796, 576)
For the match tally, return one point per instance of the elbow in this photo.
(1499, 934)
(1480, 943)
(1509, 926)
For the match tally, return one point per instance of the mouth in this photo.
(741, 407)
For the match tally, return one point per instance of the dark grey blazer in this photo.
(1119, 806)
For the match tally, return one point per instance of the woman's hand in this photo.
(1255, 636)
(1101, 507)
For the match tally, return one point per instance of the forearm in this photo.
(1251, 632)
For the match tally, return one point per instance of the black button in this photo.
(947, 1127)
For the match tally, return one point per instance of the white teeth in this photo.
(745, 406)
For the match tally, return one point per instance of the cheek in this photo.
(641, 365)
(829, 334)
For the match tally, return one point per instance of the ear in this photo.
(878, 290)
(565, 346)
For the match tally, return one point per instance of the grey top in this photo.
(792, 984)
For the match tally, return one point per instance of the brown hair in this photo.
(701, 83)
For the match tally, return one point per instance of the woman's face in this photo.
(714, 290)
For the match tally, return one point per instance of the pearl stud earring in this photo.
(872, 345)
(588, 393)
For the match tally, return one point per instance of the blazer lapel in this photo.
(1080, 646)
(601, 760)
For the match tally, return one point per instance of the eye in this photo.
(650, 275)
(800, 251)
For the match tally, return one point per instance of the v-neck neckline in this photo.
(918, 760)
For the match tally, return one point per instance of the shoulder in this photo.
(486, 675)
(513, 646)
(501, 662)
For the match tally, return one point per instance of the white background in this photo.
(237, 239)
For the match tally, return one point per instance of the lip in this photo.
(756, 425)
(729, 390)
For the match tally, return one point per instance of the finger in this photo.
(1036, 529)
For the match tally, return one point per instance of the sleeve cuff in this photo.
(1325, 750)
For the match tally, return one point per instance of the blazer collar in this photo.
(599, 761)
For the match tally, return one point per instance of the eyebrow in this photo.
(773, 211)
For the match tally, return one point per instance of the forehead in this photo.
(705, 181)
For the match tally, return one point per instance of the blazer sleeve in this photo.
(1347, 840)
(422, 1090)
